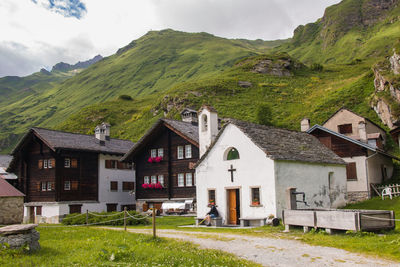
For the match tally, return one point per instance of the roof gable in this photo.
(7, 190)
(186, 130)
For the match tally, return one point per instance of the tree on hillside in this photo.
(264, 115)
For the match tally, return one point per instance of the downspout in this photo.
(367, 174)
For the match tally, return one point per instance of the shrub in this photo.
(264, 115)
(316, 67)
(125, 97)
(98, 217)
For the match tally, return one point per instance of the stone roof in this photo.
(7, 190)
(282, 144)
(72, 141)
(184, 129)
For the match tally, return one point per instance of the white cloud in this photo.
(49, 37)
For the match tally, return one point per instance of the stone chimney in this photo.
(102, 133)
(362, 132)
(305, 124)
(189, 115)
(208, 127)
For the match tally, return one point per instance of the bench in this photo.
(214, 221)
(252, 221)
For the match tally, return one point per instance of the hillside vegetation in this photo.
(325, 66)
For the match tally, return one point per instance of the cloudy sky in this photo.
(41, 33)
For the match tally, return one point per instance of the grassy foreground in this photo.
(71, 246)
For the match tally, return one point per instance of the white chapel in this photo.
(245, 170)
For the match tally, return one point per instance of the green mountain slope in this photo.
(350, 31)
(147, 66)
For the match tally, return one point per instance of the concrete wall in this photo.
(375, 163)
(11, 210)
(106, 176)
(253, 169)
(359, 185)
(313, 179)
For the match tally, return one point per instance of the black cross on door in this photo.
(231, 170)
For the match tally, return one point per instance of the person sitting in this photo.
(213, 213)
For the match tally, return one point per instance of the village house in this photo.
(11, 204)
(62, 173)
(395, 133)
(360, 143)
(11, 178)
(164, 158)
(245, 170)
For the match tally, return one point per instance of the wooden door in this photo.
(232, 207)
(32, 214)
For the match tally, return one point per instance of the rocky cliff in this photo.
(386, 99)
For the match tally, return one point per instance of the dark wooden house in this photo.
(61, 172)
(164, 158)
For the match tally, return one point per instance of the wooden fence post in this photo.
(87, 217)
(125, 219)
(154, 223)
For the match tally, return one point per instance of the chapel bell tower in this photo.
(208, 127)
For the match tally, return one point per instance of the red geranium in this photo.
(150, 160)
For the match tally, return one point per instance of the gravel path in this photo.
(271, 251)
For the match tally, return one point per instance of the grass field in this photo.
(63, 246)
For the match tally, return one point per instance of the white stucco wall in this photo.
(359, 185)
(313, 179)
(106, 176)
(253, 169)
(374, 163)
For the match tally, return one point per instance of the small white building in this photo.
(245, 170)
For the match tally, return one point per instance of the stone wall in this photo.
(356, 196)
(11, 210)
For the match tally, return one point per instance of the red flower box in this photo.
(155, 159)
(152, 186)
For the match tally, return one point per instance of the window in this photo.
(75, 208)
(74, 163)
(67, 185)
(188, 151)
(153, 179)
(161, 152)
(331, 180)
(351, 171)
(180, 152)
(181, 182)
(111, 164)
(44, 186)
(49, 186)
(128, 186)
(189, 179)
(113, 186)
(40, 164)
(45, 163)
(255, 196)
(204, 123)
(153, 153)
(67, 163)
(211, 197)
(146, 180)
(111, 207)
(161, 179)
(232, 154)
(345, 128)
(51, 163)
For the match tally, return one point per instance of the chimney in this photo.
(102, 133)
(305, 124)
(189, 115)
(208, 127)
(362, 132)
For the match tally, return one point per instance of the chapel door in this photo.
(233, 206)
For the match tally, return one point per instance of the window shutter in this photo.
(40, 164)
(108, 164)
(120, 165)
(53, 163)
(74, 163)
(74, 185)
(39, 186)
(351, 171)
(52, 186)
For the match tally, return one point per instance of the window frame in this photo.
(49, 164)
(130, 185)
(49, 186)
(153, 179)
(180, 152)
(159, 180)
(188, 148)
(67, 188)
(209, 196)
(67, 162)
(191, 179)
(45, 164)
(113, 186)
(43, 186)
(253, 201)
(153, 152)
(160, 152)
(346, 128)
(181, 175)
(232, 150)
(351, 166)
(146, 179)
